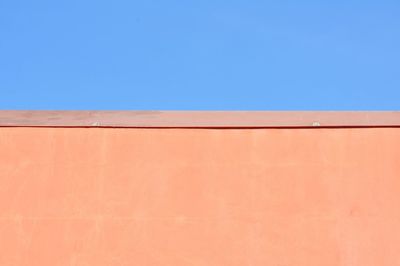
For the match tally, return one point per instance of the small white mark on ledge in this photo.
(316, 124)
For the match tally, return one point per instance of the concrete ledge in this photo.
(199, 119)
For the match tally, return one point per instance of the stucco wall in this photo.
(281, 197)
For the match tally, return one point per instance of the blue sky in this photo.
(200, 55)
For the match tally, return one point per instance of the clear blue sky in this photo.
(197, 55)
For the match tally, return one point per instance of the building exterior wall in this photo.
(179, 196)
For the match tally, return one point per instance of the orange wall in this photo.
(279, 197)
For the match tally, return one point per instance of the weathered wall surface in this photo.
(282, 197)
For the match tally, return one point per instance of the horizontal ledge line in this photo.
(199, 119)
(210, 127)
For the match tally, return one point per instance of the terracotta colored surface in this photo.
(216, 119)
(280, 197)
